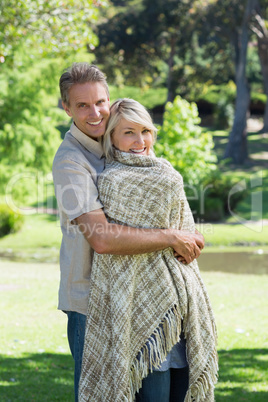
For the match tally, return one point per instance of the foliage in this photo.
(212, 93)
(220, 99)
(27, 128)
(183, 143)
(47, 27)
(148, 97)
(29, 117)
(253, 67)
(217, 200)
(182, 45)
(223, 113)
(138, 33)
(164, 43)
(10, 222)
(17, 183)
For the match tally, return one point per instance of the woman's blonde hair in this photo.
(130, 110)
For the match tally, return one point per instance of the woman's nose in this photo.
(139, 138)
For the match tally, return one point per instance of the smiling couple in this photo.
(130, 283)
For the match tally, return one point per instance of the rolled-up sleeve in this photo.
(75, 189)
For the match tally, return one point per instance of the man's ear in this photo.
(66, 108)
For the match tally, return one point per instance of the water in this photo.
(247, 262)
(235, 262)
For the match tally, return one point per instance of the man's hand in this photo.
(188, 246)
(110, 238)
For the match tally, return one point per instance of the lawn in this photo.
(35, 361)
(36, 364)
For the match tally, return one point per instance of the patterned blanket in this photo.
(139, 304)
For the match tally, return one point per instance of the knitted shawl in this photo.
(139, 304)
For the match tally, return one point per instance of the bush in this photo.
(182, 142)
(213, 210)
(10, 222)
(223, 114)
(217, 202)
(29, 137)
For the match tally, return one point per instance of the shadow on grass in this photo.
(37, 378)
(49, 377)
(243, 375)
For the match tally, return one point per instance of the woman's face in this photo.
(132, 137)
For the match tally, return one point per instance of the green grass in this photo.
(36, 364)
(240, 307)
(35, 361)
(39, 239)
(231, 235)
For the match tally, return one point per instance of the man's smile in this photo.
(94, 123)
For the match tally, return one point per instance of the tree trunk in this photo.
(170, 83)
(263, 55)
(237, 146)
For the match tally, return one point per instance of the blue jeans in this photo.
(76, 334)
(164, 386)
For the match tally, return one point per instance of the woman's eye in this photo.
(129, 132)
(146, 130)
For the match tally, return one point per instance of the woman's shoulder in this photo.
(165, 163)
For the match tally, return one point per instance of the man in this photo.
(77, 163)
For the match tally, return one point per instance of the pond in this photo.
(235, 262)
(247, 262)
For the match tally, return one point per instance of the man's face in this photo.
(89, 107)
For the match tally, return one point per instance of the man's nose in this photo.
(94, 111)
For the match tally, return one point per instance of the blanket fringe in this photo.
(155, 350)
(203, 389)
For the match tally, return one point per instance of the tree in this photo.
(29, 121)
(259, 27)
(47, 27)
(147, 42)
(231, 19)
(29, 117)
(237, 146)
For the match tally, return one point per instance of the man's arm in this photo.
(110, 238)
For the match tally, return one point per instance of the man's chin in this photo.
(95, 135)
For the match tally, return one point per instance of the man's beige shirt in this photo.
(76, 166)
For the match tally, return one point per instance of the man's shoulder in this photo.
(69, 149)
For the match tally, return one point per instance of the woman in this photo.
(141, 306)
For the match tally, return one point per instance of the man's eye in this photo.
(82, 106)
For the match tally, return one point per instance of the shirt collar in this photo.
(91, 145)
